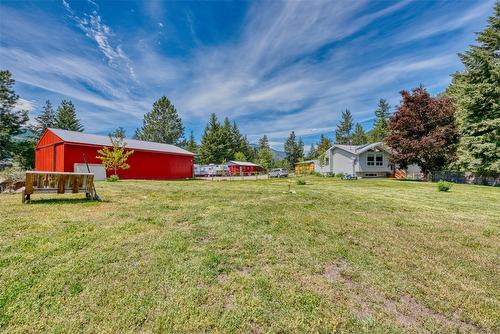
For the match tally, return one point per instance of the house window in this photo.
(375, 159)
(370, 160)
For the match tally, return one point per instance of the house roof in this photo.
(306, 162)
(358, 149)
(243, 163)
(90, 139)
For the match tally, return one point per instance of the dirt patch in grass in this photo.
(407, 311)
(333, 272)
(222, 278)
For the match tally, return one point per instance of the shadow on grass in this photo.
(65, 201)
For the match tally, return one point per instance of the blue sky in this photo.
(271, 66)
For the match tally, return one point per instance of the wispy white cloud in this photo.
(23, 104)
(102, 34)
(447, 24)
(295, 65)
(67, 6)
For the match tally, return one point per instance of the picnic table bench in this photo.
(59, 183)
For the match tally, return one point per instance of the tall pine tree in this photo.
(119, 132)
(46, 119)
(324, 144)
(290, 150)
(211, 148)
(191, 144)
(241, 144)
(228, 143)
(299, 150)
(294, 149)
(311, 155)
(66, 118)
(264, 154)
(12, 121)
(344, 128)
(381, 126)
(162, 124)
(476, 94)
(359, 136)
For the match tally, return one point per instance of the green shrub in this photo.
(316, 174)
(301, 182)
(10, 176)
(113, 178)
(444, 185)
(339, 175)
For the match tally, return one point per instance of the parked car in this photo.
(278, 172)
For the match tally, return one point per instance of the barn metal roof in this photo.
(90, 139)
(243, 163)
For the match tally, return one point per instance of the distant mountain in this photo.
(277, 155)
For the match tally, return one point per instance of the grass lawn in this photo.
(243, 256)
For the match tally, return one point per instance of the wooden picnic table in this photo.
(59, 183)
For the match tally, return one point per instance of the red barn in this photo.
(59, 150)
(243, 168)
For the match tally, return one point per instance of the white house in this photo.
(369, 160)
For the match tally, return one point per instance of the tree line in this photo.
(14, 122)
(459, 128)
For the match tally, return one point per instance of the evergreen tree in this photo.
(162, 124)
(210, 148)
(324, 144)
(381, 126)
(238, 144)
(290, 150)
(248, 150)
(476, 94)
(359, 136)
(23, 152)
(311, 155)
(299, 150)
(422, 131)
(118, 133)
(46, 119)
(241, 144)
(66, 117)
(191, 144)
(239, 156)
(11, 121)
(294, 149)
(228, 143)
(344, 128)
(264, 154)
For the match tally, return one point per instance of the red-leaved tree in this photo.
(422, 131)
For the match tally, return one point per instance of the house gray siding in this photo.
(342, 161)
(362, 166)
(350, 159)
